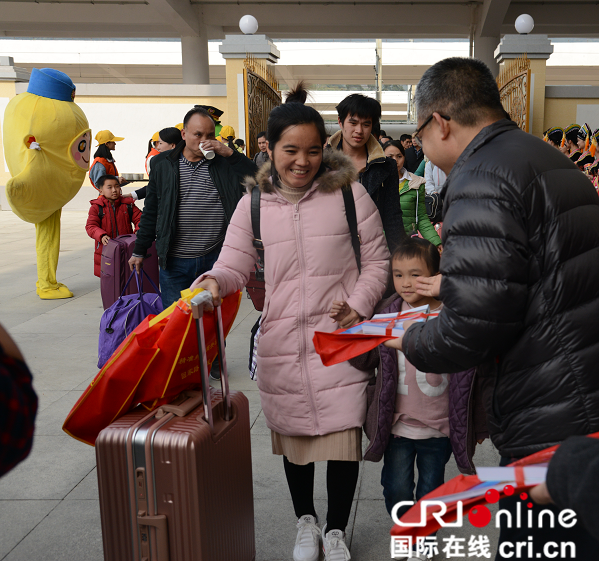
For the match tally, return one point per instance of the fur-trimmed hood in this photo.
(373, 147)
(414, 182)
(339, 173)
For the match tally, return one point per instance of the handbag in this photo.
(125, 315)
(434, 207)
(155, 363)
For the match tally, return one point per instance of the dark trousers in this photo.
(547, 542)
(397, 477)
(181, 272)
(342, 478)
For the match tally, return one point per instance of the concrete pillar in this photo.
(538, 49)
(194, 53)
(484, 49)
(9, 76)
(235, 49)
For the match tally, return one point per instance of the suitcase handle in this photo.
(185, 404)
(199, 303)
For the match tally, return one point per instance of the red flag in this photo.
(334, 348)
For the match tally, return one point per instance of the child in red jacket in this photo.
(110, 216)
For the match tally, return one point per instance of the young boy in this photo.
(358, 115)
(110, 216)
(418, 429)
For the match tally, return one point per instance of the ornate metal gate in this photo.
(514, 87)
(261, 96)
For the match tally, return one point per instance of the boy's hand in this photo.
(350, 320)
(105, 239)
(339, 310)
(344, 315)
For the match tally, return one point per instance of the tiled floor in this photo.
(49, 503)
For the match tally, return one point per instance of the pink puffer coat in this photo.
(309, 262)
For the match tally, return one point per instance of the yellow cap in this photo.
(156, 136)
(227, 131)
(106, 136)
(179, 126)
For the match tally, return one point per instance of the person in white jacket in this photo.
(435, 178)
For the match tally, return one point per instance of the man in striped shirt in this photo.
(189, 204)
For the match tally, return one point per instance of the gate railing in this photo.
(514, 88)
(262, 95)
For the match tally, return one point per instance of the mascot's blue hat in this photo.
(51, 83)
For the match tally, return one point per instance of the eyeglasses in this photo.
(420, 129)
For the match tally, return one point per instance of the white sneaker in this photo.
(333, 544)
(306, 543)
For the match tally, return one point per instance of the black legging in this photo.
(342, 478)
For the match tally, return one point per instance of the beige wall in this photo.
(561, 112)
(7, 92)
(537, 91)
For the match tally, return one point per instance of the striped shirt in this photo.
(201, 221)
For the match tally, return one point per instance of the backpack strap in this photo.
(255, 216)
(352, 221)
(130, 211)
(101, 212)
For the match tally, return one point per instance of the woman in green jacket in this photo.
(411, 196)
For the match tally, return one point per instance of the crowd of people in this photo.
(514, 278)
(517, 294)
(579, 143)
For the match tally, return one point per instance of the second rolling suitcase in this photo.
(114, 269)
(176, 484)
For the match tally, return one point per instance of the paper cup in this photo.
(208, 154)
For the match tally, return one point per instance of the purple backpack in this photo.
(125, 315)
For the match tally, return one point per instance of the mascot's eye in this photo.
(82, 146)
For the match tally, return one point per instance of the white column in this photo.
(194, 51)
(484, 49)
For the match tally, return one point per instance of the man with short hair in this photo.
(262, 157)
(385, 138)
(189, 204)
(406, 141)
(357, 115)
(520, 277)
(414, 155)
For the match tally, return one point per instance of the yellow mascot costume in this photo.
(46, 145)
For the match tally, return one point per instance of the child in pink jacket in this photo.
(315, 412)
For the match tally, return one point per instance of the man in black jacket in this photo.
(520, 274)
(357, 115)
(189, 204)
(414, 156)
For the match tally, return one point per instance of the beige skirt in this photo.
(301, 450)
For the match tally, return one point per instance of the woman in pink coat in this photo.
(315, 412)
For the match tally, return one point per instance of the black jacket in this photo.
(520, 289)
(381, 179)
(413, 161)
(159, 220)
(572, 480)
